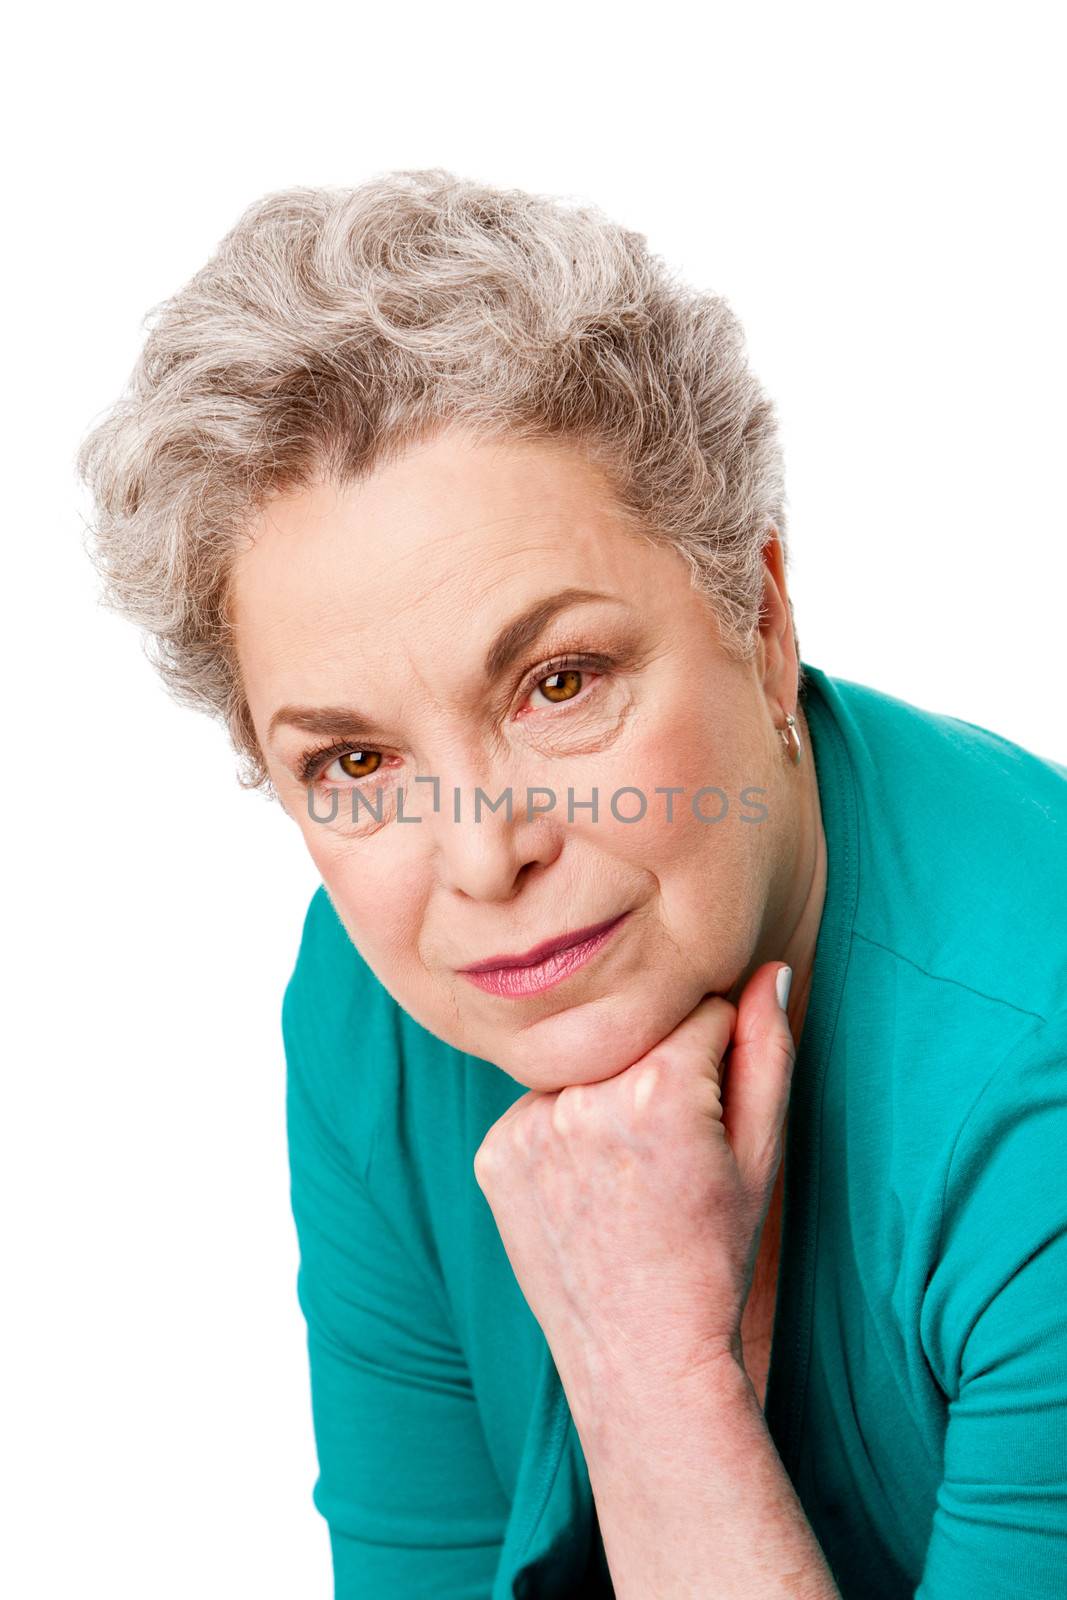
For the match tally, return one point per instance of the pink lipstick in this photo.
(554, 961)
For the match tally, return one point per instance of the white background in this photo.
(876, 190)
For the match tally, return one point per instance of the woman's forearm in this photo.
(692, 1497)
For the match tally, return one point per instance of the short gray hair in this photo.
(334, 327)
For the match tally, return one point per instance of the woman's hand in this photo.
(631, 1209)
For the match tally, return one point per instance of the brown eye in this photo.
(560, 685)
(355, 763)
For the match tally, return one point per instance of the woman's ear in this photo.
(777, 634)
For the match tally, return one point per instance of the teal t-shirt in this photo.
(917, 1391)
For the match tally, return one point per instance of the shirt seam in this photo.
(937, 977)
(1009, 1055)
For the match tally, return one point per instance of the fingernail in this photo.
(782, 983)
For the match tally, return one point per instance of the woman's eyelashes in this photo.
(556, 686)
(312, 762)
(564, 680)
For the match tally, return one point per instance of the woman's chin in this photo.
(588, 1042)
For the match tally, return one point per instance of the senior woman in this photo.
(467, 519)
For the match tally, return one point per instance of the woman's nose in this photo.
(485, 839)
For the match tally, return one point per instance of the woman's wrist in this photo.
(688, 1482)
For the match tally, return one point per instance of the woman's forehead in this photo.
(455, 548)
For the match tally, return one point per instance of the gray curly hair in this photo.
(334, 327)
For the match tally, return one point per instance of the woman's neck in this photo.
(792, 932)
(803, 939)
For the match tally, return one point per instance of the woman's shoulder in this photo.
(999, 1268)
(962, 842)
(397, 1096)
(880, 726)
(331, 993)
(342, 1031)
(381, 1112)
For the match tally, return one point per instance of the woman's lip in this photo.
(518, 981)
(547, 947)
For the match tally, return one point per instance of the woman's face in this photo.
(413, 621)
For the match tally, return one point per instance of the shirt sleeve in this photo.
(995, 1325)
(407, 1488)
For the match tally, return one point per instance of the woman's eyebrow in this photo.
(514, 638)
